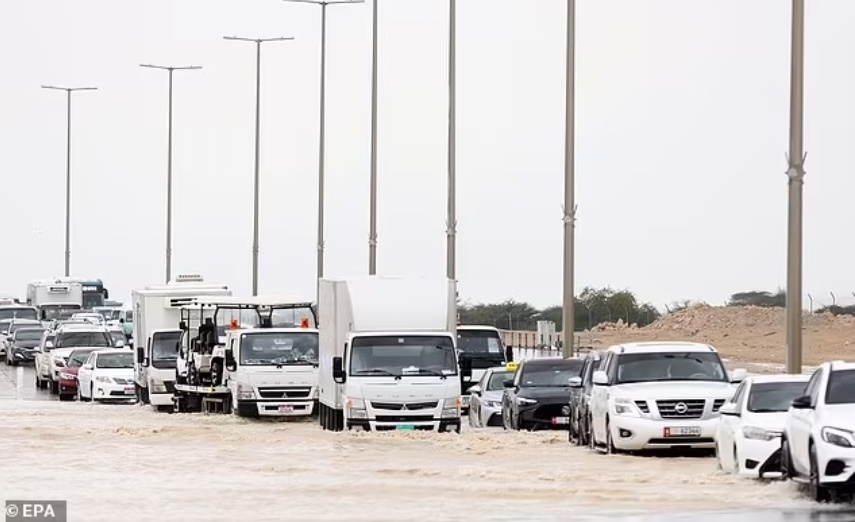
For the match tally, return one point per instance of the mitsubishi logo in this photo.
(403, 406)
(681, 408)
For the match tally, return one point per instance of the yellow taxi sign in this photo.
(512, 366)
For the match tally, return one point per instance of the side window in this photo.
(91, 360)
(484, 380)
(518, 374)
(611, 367)
(741, 396)
(737, 394)
(814, 391)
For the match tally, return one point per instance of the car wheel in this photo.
(505, 422)
(815, 489)
(592, 445)
(736, 467)
(610, 445)
(91, 392)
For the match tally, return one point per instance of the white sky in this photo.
(682, 122)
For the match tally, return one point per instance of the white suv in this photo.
(659, 395)
(818, 444)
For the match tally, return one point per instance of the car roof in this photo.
(497, 369)
(662, 347)
(26, 321)
(841, 365)
(31, 329)
(547, 361)
(82, 328)
(785, 377)
(113, 350)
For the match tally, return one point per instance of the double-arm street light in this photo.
(257, 42)
(569, 308)
(68, 91)
(169, 164)
(322, 137)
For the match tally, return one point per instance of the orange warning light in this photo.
(235, 324)
(304, 323)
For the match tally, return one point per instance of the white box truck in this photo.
(54, 297)
(157, 313)
(388, 357)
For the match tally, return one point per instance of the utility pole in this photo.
(795, 175)
(169, 164)
(322, 127)
(372, 235)
(68, 91)
(451, 220)
(569, 308)
(257, 42)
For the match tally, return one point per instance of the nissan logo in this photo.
(681, 408)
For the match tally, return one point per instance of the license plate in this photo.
(286, 409)
(682, 431)
(406, 427)
(129, 390)
(560, 420)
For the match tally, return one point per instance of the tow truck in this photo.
(254, 357)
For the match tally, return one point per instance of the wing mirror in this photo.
(575, 382)
(231, 364)
(475, 390)
(600, 378)
(739, 375)
(338, 370)
(729, 409)
(87, 367)
(802, 403)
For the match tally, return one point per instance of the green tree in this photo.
(759, 298)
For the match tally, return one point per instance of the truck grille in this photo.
(284, 392)
(404, 418)
(397, 406)
(681, 408)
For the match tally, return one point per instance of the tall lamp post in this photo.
(169, 165)
(451, 218)
(322, 127)
(796, 174)
(68, 91)
(569, 308)
(257, 42)
(372, 234)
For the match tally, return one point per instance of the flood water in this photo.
(127, 459)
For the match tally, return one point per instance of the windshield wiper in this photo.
(376, 371)
(432, 372)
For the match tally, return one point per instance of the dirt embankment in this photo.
(747, 334)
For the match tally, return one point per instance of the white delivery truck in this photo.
(388, 358)
(54, 297)
(157, 312)
(255, 357)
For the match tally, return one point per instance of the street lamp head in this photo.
(69, 89)
(325, 2)
(259, 40)
(171, 68)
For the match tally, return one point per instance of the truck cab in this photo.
(482, 346)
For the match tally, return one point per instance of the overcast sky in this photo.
(682, 122)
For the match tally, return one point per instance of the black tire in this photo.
(786, 461)
(817, 492)
(736, 467)
(54, 388)
(592, 444)
(610, 445)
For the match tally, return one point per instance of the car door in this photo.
(510, 397)
(728, 425)
(475, 399)
(84, 375)
(800, 422)
(600, 401)
(577, 394)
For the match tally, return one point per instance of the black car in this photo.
(580, 396)
(22, 345)
(539, 395)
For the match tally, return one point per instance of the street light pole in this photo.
(568, 308)
(68, 91)
(169, 165)
(451, 219)
(796, 174)
(372, 235)
(322, 127)
(258, 42)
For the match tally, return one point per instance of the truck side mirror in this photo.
(231, 364)
(338, 370)
(466, 367)
(182, 326)
(140, 356)
(509, 352)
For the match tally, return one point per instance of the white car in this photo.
(658, 395)
(751, 423)
(91, 317)
(107, 375)
(118, 335)
(485, 405)
(818, 446)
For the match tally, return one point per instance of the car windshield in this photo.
(115, 360)
(29, 334)
(17, 326)
(279, 348)
(769, 397)
(553, 374)
(77, 358)
(670, 366)
(841, 387)
(164, 349)
(71, 339)
(497, 380)
(18, 313)
(117, 336)
(397, 356)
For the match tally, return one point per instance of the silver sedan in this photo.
(485, 405)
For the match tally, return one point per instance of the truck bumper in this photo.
(257, 408)
(438, 425)
(160, 399)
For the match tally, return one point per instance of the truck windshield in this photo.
(18, 313)
(279, 348)
(483, 347)
(398, 356)
(72, 339)
(164, 349)
(51, 312)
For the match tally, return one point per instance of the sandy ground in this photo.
(742, 334)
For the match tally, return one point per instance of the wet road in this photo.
(617, 488)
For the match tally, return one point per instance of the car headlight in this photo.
(755, 433)
(101, 378)
(493, 404)
(245, 393)
(522, 401)
(355, 409)
(838, 437)
(626, 408)
(67, 376)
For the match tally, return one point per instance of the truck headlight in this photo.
(838, 437)
(245, 393)
(755, 433)
(626, 408)
(451, 408)
(355, 409)
(315, 395)
(158, 388)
